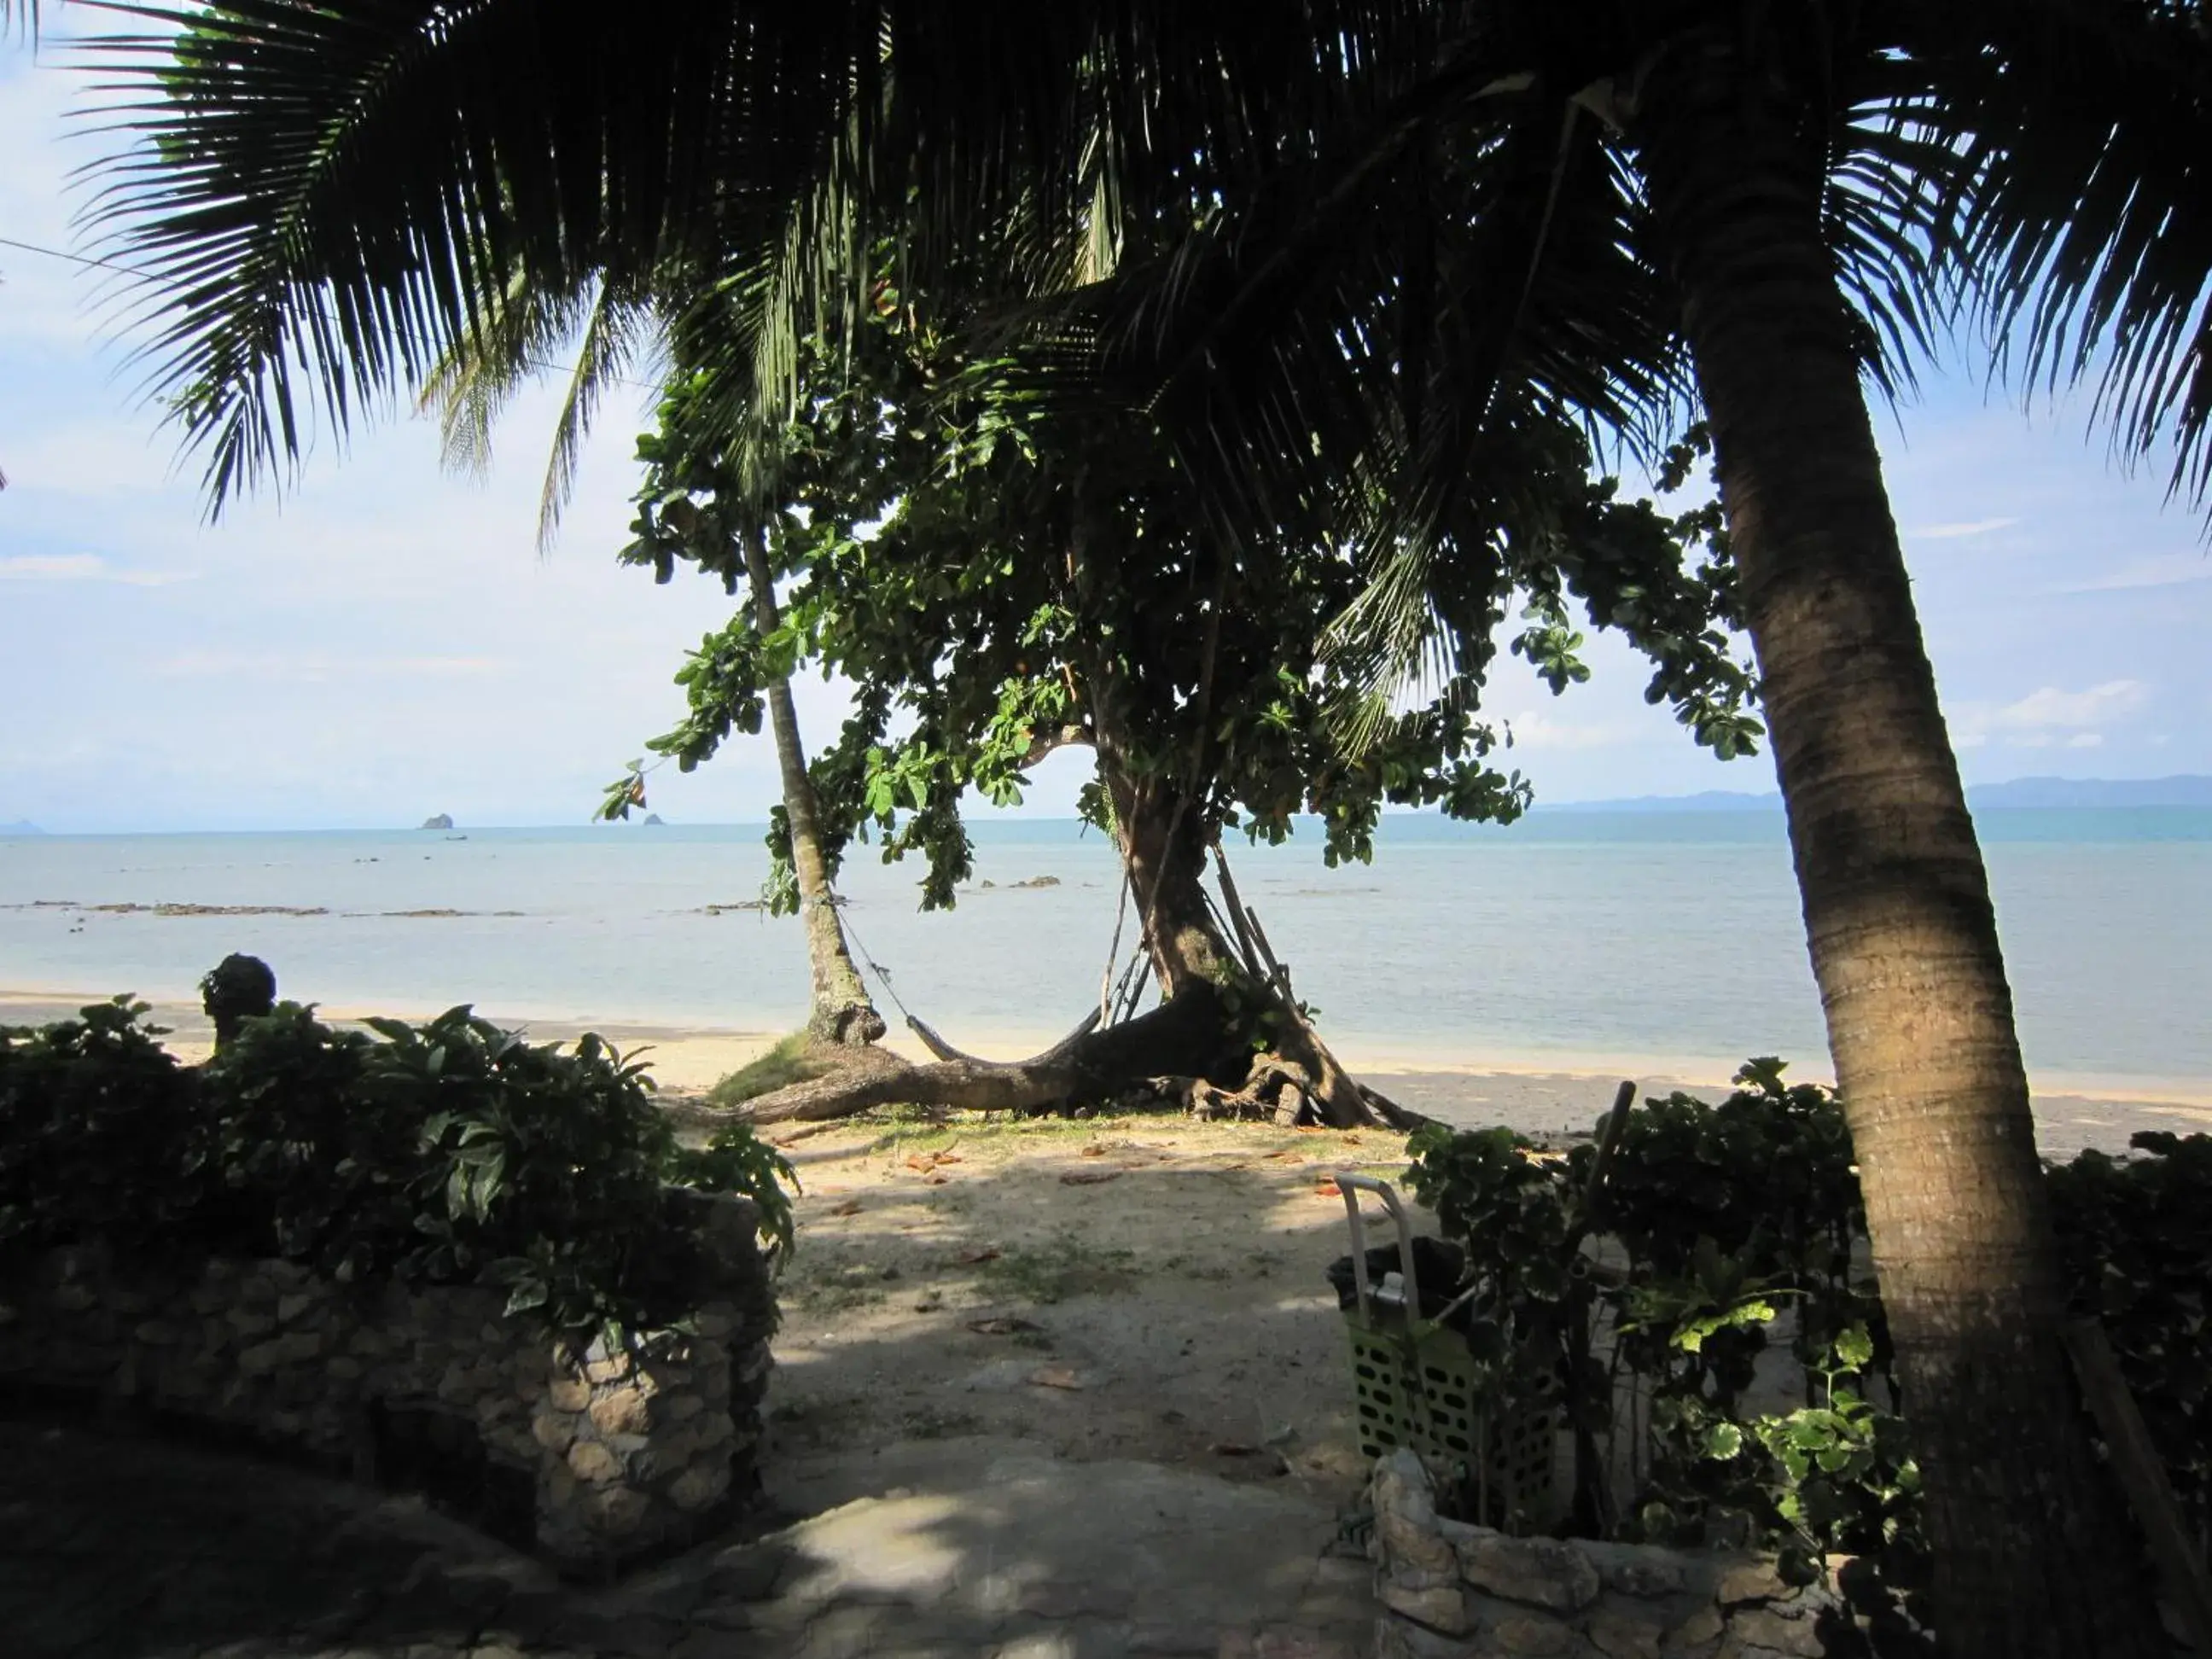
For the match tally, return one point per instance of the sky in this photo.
(387, 641)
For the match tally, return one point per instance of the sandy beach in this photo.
(1545, 1095)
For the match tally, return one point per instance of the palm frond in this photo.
(2088, 216)
(330, 199)
(468, 387)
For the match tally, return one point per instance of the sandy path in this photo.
(1139, 1288)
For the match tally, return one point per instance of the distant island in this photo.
(651, 819)
(20, 827)
(2185, 789)
(443, 821)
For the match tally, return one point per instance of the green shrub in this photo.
(101, 1130)
(2137, 1232)
(450, 1153)
(1717, 1218)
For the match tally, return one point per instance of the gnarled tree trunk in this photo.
(839, 1009)
(2033, 1554)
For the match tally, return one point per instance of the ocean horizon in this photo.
(1573, 936)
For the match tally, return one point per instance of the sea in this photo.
(1573, 939)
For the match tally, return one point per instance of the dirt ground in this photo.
(1138, 1287)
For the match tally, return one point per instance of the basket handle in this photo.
(1350, 1186)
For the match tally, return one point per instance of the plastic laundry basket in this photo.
(1413, 1385)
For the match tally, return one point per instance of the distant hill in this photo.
(1709, 800)
(2021, 794)
(20, 827)
(2182, 790)
(443, 821)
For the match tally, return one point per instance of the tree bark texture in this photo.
(840, 1011)
(2034, 1555)
(1163, 850)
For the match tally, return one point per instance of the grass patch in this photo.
(823, 1287)
(1065, 1266)
(791, 1061)
(933, 1423)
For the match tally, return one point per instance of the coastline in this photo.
(1537, 1091)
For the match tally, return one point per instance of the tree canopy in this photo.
(997, 577)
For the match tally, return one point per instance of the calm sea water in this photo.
(1570, 935)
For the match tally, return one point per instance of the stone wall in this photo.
(592, 1458)
(1455, 1591)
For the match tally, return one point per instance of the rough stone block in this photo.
(1759, 1627)
(1443, 1608)
(1754, 1581)
(1704, 1625)
(1621, 1635)
(1543, 1572)
(263, 1358)
(293, 1303)
(1407, 1543)
(1635, 1571)
(568, 1393)
(247, 1322)
(554, 1430)
(1536, 1635)
(590, 1462)
(155, 1332)
(623, 1411)
(699, 1488)
(616, 1510)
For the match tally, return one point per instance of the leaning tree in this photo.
(998, 579)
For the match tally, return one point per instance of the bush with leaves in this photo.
(450, 1153)
(2137, 1233)
(101, 1130)
(1712, 1220)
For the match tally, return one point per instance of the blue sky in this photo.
(386, 642)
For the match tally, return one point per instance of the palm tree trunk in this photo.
(2034, 1555)
(840, 1011)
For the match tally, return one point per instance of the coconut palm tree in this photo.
(1781, 189)
(1802, 184)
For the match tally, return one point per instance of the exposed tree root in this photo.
(1184, 1052)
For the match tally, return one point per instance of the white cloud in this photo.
(2159, 570)
(1951, 532)
(82, 568)
(2050, 716)
(1534, 730)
